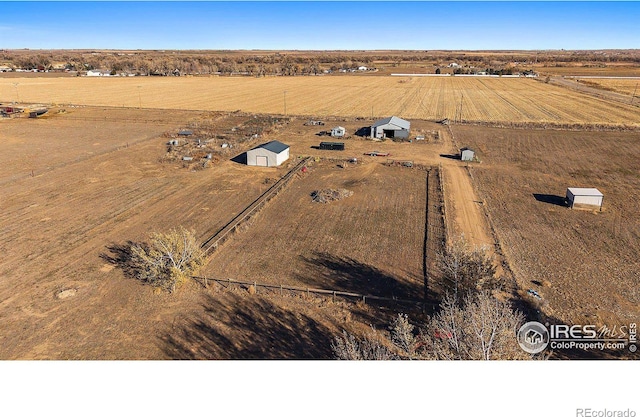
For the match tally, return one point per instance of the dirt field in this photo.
(368, 243)
(628, 86)
(510, 100)
(583, 263)
(98, 182)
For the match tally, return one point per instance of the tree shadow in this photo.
(350, 275)
(551, 199)
(120, 256)
(236, 327)
(240, 159)
(450, 156)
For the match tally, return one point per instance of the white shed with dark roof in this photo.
(392, 127)
(270, 154)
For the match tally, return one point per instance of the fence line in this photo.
(212, 242)
(334, 293)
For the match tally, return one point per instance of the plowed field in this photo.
(516, 100)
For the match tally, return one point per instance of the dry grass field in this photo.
(98, 182)
(368, 243)
(504, 100)
(583, 263)
(629, 86)
(77, 185)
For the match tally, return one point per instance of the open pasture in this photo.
(368, 243)
(583, 263)
(628, 86)
(503, 100)
(58, 225)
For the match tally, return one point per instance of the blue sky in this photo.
(320, 25)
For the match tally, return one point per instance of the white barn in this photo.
(338, 132)
(467, 154)
(270, 154)
(588, 198)
(391, 127)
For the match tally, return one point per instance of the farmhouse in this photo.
(338, 132)
(587, 198)
(268, 154)
(467, 154)
(392, 127)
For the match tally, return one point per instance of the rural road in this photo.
(464, 211)
(467, 211)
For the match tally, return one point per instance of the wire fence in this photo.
(307, 290)
(212, 243)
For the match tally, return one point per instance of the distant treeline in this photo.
(258, 63)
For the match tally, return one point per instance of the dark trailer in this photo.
(332, 146)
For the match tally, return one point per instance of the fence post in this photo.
(206, 283)
(334, 296)
(255, 285)
(364, 299)
(281, 290)
(307, 292)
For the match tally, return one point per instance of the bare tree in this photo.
(466, 269)
(483, 328)
(167, 259)
(402, 335)
(348, 347)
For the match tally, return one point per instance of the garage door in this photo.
(262, 161)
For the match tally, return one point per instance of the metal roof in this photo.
(466, 149)
(585, 191)
(273, 146)
(393, 120)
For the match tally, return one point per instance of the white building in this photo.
(467, 154)
(588, 198)
(98, 73)
(270, 154)
(392, 127)
(338, 132)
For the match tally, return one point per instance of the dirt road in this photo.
(463, 208)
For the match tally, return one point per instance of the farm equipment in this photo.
(377, 153)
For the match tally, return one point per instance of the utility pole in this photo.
(17, 94)
(634, 93)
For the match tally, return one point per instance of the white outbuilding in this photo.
(392, 128)
(587, 198)
(338, 132)
(467, 154)
(270, 154)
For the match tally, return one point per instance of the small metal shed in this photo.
(467, 154)
(338, 132)
(587, 198)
